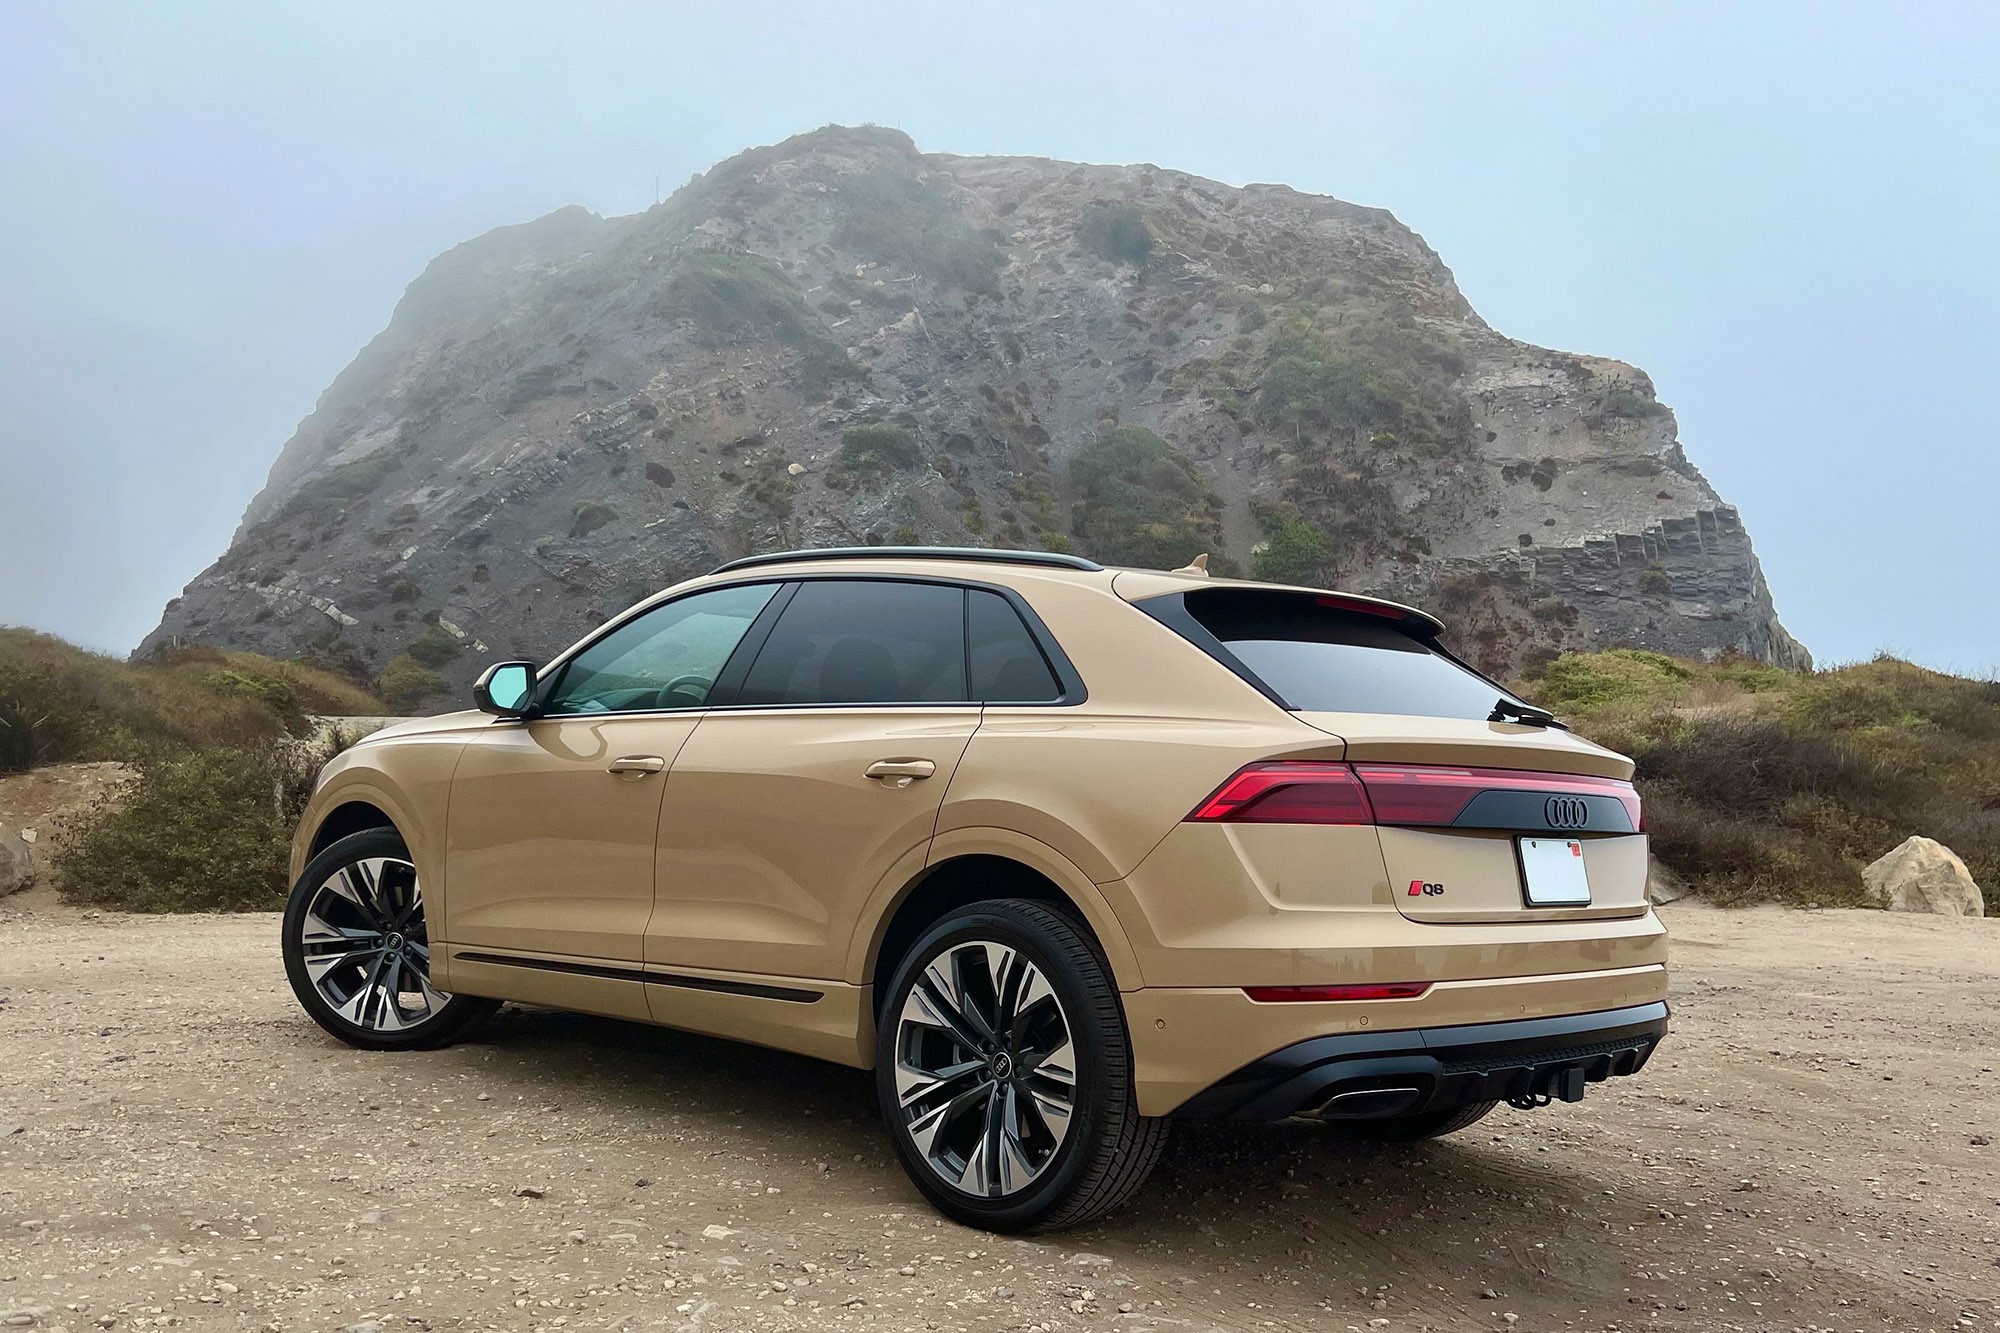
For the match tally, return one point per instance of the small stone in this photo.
(6, 1130)
(1511, 1318)
(373, 1219)
(575, 1238)
(642, 1182)
(1085, 1259)
(530, 1192)
(1488, 1294)
(716, 1231)
(226, 1288)
(795, 469)
(1977, 1140)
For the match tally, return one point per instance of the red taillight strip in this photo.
(1426, 794)
(1310, 791)
(1305, 792)
(1386, 990)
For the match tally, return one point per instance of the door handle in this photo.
(900, 772)
(638, 763)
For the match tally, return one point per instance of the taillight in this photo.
(1425, 795)
(1390, 990)
(1306, 792)
(1421, 795)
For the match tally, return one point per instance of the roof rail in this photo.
(979, 553)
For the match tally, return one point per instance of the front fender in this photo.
(408, 779)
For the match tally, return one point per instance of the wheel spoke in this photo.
(943, 1007)
(915, 1084)
(985, 1068)
(364, 947)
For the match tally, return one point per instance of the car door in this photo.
(550, 848)
(818, 779)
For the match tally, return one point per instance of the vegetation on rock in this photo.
(1116, 232)
(1140, 501)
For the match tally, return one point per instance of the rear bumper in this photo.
(1357, 1075)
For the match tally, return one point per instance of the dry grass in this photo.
(62, 703)
(1763, 784)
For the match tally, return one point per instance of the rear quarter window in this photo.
(1323, 659)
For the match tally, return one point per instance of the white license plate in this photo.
(1552, 869)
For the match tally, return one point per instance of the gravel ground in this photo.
(181, 1147)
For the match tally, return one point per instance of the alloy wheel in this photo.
(365, 947)
(985, 1069)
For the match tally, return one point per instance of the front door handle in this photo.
(900, 772)
(638, 764)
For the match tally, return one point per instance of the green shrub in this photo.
(888, 217)
(1365, 365)
(732, 297)
(1142, 502)
(407, 684)
(1628, 405)
(436, 647)
(1116, 232)
(878, 448)
(587, 518)
(204, 832)
(1294, 552)
(1654, 581)
(342, 485)
(19, 748)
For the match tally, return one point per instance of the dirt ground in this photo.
(180, 1147)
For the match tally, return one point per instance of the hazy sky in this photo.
(1786, 214)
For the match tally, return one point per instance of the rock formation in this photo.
(840, 340)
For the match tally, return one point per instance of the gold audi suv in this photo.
(1063, 853)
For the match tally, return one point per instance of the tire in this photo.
(359, 902)
(1424, 1125)
(979, 1121)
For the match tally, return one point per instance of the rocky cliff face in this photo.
(842, 341)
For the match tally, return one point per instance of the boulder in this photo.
(17, 864)
(1922, 875)
(1663, 885)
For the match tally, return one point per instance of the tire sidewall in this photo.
(354, 847)
(1094, 1047)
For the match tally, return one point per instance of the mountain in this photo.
(839, 340)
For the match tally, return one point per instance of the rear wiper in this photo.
(1512, 710)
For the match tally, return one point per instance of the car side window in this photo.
(863, 642)
(667, 658)
(1007, 664)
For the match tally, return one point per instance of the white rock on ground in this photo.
(1923, 875)
(17, 864)
(1663, 885)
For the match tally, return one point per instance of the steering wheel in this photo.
(696, 687)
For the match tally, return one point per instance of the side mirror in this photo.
(505, 689)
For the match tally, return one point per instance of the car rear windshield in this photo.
(1319, 658)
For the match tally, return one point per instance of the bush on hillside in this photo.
(1116, 232)
(60, 703)
(878, 448)
(1762, 783)
(1140, 501)
(203, 832)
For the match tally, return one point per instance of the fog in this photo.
(1784, 216)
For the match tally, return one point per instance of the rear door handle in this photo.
(900, 772)
(638, 763)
